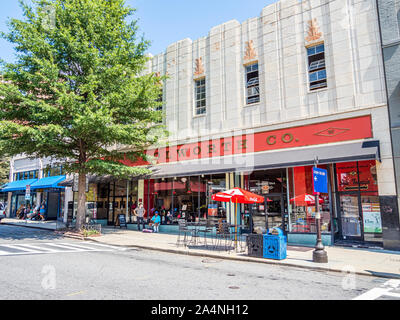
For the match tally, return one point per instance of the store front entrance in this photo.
(350, 218)
(270, 214)
(119, 207)
(359, 216)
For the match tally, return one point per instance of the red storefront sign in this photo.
(314, 134)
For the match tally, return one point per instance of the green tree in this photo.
(4, 170)
(79, 91)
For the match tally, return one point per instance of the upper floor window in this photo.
(26, 175)
(160, 100)
(252, 84)
(200, 96)
(316, 67)
(53, 171)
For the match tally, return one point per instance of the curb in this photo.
(26, 226)
(249, 259)
(210, 255)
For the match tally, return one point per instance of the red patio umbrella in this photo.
(237, 195)
(305, 200)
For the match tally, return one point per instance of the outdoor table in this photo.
(196, 227)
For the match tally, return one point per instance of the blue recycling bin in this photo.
(274, 244)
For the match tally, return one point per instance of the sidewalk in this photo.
(46, 225)
(369, 262)
(361, 261)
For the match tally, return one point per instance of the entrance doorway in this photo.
(117, 207)
(359, 216)
(350, 218)
(271, 214)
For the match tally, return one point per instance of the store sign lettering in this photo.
(314, 134)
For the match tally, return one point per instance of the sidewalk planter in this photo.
(275, 244)
(255, 245)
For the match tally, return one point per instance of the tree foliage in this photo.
(79, 88)
(4, 170)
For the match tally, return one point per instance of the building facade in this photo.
(256, 105)
(389, 18)
(253, 105)
(41, 177)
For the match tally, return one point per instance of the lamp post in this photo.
(319, 254)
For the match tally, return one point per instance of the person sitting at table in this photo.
(155, 222)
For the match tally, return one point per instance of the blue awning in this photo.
(49, 182)
(17, 185)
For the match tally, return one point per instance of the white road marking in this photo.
(107, 246)
(17, 247)
(37, 248)
(383, 291)
(55, 247)
(67, 246)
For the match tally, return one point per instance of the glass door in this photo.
(274, 211)
(350, 217)
(372, 220)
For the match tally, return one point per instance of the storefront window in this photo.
(91, 198)
(209, 185)
(371, 217)
(163, 199)
(302, 202)
(185, 197)
(272, 185)
(185, 202)
(357, 186)
(102, 201)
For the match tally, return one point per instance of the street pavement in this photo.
(43, 265)
(361, 261)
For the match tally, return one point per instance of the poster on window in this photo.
(212, 210)
(372, 218)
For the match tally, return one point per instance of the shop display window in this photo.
(271, 184)
(184, 198)
(302, 202)
(357, 176)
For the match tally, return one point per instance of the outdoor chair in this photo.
(208, 230)
(224, 237)
(242, 242)
(183, 233)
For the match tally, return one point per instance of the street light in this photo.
(319, 254)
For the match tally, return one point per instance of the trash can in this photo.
(255, 245)
(275, 244)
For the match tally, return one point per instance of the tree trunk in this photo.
(81, 214)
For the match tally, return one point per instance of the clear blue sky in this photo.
(162, 21)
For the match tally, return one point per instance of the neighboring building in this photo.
(252, 105)
(42, 178)
(389, 14)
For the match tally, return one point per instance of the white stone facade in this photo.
(355, 77)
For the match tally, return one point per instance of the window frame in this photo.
(249, 69)
(316, 66)
(203, 97)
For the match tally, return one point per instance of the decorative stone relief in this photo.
(199, 67)
(313, 31)
(158, 75)
(250, 53)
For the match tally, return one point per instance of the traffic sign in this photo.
(28, 192)
(320, 180)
